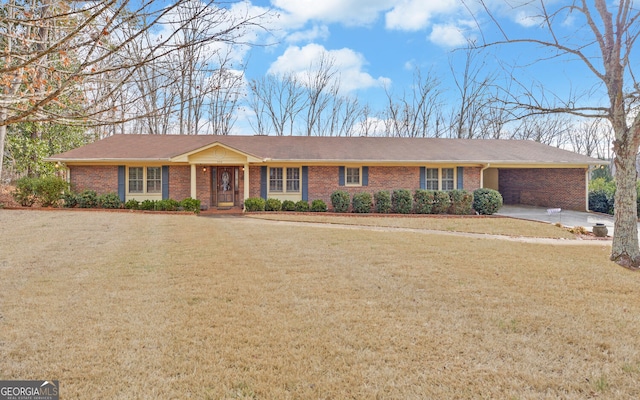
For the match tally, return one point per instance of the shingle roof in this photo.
(328, 149)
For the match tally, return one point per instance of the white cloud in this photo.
(447, 35)
(347, 12)
(310, 35)
(527, 19)
(349, 64)
(413, 15)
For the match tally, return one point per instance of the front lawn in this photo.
(119, 305)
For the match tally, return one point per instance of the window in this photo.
(353, 176)
(447, 179)
(275, 179)
(293, 179)
(154, 180)
(284, 180)
(440, 179)
(431, 177)
(145, 180)
(136, 180)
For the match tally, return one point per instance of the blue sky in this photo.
(381, 42)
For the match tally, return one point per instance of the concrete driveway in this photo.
(565, 217)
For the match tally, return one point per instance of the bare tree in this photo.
(70, 61)
(475, 97)
(415, 114)
(589, 137)
(604, 43)
(276, 102)
(322, 84)
(549, 129)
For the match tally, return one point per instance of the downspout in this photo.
(482, 174)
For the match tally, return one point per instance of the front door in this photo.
(225, 186)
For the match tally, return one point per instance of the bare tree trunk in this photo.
(625, 249)
(3, 135)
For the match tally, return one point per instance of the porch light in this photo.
(204, 169)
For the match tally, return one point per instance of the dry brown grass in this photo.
(470, 224)
(118, 305)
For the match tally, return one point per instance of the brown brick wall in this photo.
(254, 181)
(471, 178)
(179, 182)
(102, 179)
(324, 180)
(554, 187)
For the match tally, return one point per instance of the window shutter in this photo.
(122, 182)
(423, 178)
(341, 176)
(305, 183)
(460, 177)
(365, 176)
(263, 182)
(165, 182)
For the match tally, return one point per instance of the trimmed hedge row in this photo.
(402, 201)
(53, 192)
(254, 204)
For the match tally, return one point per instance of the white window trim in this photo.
(284, 179)
(346, 182)
(144, 181)
(440, 180)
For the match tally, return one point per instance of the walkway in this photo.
(568, 218)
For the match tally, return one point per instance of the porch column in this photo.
(193, 181)
(246, 181)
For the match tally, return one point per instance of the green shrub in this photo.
(423, 201)
(302, 206)
(167, 205)
(339, 201)
(26, 192)
(254, 204)
(461, 202)
(109, 200)
(273, 205)
(362, 203)
(191, 205)
(486, 201)
(401, 201)
(607, 185)
(601, 201)
(441, 202)
(318, 206)
(50, 190)
(88, 199)
(132, 204)
(69, 199)
(147, 205)
(288, 205)
(382, 200)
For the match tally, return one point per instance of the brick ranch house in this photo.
(223, 171)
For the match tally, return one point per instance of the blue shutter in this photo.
(365, 176)
(263, 182)
(341, 176)
(305, 183)
(165, 182)
(423, 178)
(122, 176)
(460, 175)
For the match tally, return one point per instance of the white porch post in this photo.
(246, 181)
(193, 181)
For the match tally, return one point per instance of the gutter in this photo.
(482, 174)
